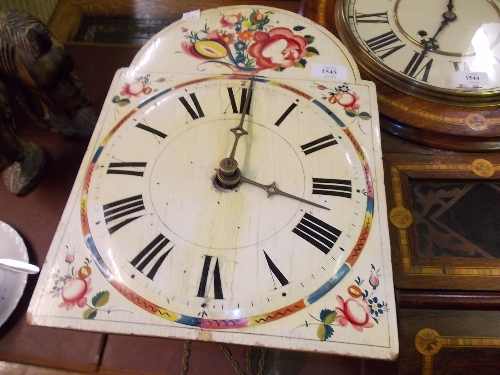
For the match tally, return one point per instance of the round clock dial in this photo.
(164, 231)
(447, 50)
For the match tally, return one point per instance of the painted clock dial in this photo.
(180, 225)
(441, 50)
(161, 227)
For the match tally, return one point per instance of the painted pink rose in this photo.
(74, 291)
(348, 100)
(277, 48)
(133, 89)
(230, 20)
(345, 99)
(353, 311)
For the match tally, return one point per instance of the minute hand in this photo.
(272, 189)
(239, 131)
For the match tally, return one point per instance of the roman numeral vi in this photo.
(210, 271)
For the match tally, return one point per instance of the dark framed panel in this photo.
(444, 215)
(70, 14)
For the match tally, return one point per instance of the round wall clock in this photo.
(436, 66)
(447, 53)
(233, 192)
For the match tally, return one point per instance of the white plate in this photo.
(11, 283)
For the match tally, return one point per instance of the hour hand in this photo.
(272, 189)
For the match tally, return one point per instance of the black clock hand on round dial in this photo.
(272, 189)
(448, 17)
(450, 7)
(228, 175)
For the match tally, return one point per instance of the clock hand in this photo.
(272, 189)
(239, 131)
(228, 175)
(448, 17)
(450, 5)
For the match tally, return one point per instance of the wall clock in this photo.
(232, 192)
(436, 65)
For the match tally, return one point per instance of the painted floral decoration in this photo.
(347, 99)
(250, 44)
(74, 288)
(360, 311)
(140, 86)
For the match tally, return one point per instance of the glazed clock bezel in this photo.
(400, 81)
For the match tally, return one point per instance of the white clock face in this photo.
(448, 46)
(161, 226)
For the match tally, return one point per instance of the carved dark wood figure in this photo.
(38, 72)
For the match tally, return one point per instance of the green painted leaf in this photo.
(309, 38)
(351, 113)
(324, 313)
(324, 332)
(330, 318)
(123, 102)
(90, 314)
(298, 28)
(311, 51)
(365, 116)
(115, 99)
(100, 299)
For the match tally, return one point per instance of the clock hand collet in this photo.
(272, 189)
(228, 175)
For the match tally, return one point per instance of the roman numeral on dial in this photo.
(328, 186)
(382, 43)
(129, 168)
(151, 130)
(318, 144)
(148, 256)
(460, 66)
(210, 272)
(318, 233)
(277, 274)
(119, 213)
(195, 113)
(415, 67)
(285, 114)
(372, 17)
(232, 98)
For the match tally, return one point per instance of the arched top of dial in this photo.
(236, 39)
